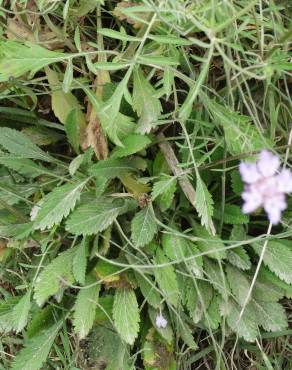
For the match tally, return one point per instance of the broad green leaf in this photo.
(210, 245)
(143, 227)
(166, 278)
(111, 168)
(15, 142)
(148, 289)
(115, 124)
(72, 128)
(94, 217)
(131, 144)
(107, 348)
(204, 205)
(18, 58)
(232, 215)
(24, 166)
(266, 291)
(85, 308)
(36, 350)
(212, 317)
(164, 190)
(246, 327)
(126, 314)
(178, 248)
(239, 283)
(270, 315)
(147, 106)
(7, 319)
(80, 262)
(199, 298)
(239, 258)
(268, 276)
(54, 275)
(278, 257)
(20, 312)
(57, 204)
(64, 103)
(216, 277)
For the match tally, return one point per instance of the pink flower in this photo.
(265, 186)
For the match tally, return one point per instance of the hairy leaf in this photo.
(131, 144)
(204, 205)
(57, 205)
(278, 257)
(15, 142)
(85, 308)
(166, 278)
(54, 275)
(96, 216)
(126, 314)
(145, 103)
(143, 227)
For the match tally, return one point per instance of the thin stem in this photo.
(247, 298)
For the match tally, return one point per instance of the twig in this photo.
(173, 163)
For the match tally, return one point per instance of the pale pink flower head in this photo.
(265, 186)
(161, 321)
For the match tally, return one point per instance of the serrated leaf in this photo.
(236, 182)
(177, 248)
(207, 243)
(204, 205)
(36, 350)
(213, 318)
(131, 144)
(245, 328)
(148, 289)
(19, 58)
(143, 227)
(15, 142)
(80, 262)
(20, 312)
(265, 291)
(240, 134)
(232, 215)
(278, 257)
(96, 216)
(238, 257)
(24, 166)
(57, 205)
(111, 168)
(164, 189)
(239, 283)
(166, 278)
(85, 308)
(116, 125)
(199, 298)
(270, 315)
(126, 314)
(266, 275)
(145, 103)
(216, 277)
(53, 276)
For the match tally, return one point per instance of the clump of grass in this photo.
(122, 240)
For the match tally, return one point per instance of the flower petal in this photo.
(268, 163)
(252, 201)
(284, 180)
(249, 172)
